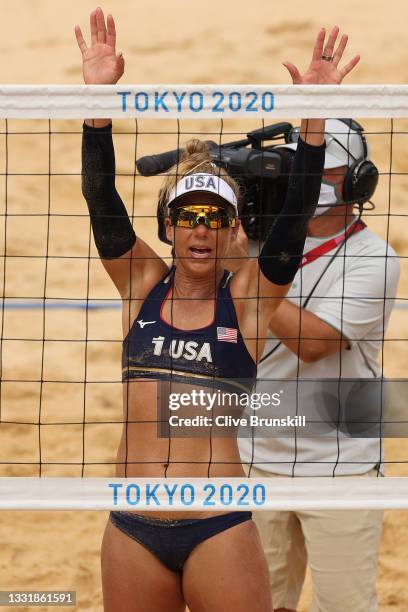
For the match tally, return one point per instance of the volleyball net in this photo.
(61, 416)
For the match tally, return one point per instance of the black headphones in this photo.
(361, 179)
(161, 215)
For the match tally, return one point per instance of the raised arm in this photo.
(129, 262)
(270, 277)
(283, 249)
(282, 252)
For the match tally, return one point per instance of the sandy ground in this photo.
(230, 42)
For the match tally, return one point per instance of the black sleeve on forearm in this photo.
(112, 230)
(282, 252)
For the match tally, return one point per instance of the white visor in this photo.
(219, 189)
(344, 145)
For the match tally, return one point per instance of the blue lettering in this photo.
(245, 492)
(196, 109)
(235, 106)
(196, 101)
(217, 107)
(152, 494)
(208, 500)
(268, 101)
(199, 181)
(129, 489)
(115, 488)
(159, 101)
(253, 97)
(189, 183)
(211, 183)
(179, 99)
(124, 94)
(259, 500)
(145, 98)
(189, 488)
(170, 493)
(226, 494)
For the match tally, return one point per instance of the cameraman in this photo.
(331, 325)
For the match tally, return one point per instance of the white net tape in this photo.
(264, 103)
(202, 101)
(203, 494)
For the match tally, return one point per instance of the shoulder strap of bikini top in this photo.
(225, 301)
(225, 281)
(153, 302)
(168, 279)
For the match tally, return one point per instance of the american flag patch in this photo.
(227, 334)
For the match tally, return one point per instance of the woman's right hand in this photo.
(101, 64)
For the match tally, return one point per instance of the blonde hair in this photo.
(195, 158)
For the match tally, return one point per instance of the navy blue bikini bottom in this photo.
(173, 541)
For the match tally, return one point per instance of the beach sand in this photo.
(177, 42)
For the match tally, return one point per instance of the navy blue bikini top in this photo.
(153, 349)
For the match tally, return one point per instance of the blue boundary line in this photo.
(58, 304)
(50, 304)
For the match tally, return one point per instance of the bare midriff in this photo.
(143, 454)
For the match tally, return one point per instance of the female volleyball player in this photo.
(185, 325)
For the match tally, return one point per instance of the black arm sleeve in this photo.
(282, 252)
(112, 230)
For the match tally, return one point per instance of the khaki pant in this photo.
(341, 547)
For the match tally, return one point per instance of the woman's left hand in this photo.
(324, 69)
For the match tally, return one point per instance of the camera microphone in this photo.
(150, 165)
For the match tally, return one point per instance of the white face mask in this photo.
(327, 199)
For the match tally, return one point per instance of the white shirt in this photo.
(349, 297)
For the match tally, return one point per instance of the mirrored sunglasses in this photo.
(214, 217)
